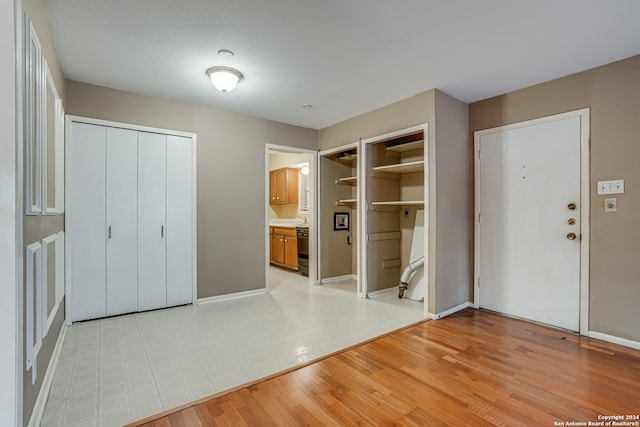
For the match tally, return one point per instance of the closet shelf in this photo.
(401, 148)
(399, 203)
(416, 166)
(348, 156)
(349, 180)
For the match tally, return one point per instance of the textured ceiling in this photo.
(345, 57)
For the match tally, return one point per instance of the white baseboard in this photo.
(339, 278)
(229, 297)
(383, 291)
(43, 395)
(450, 311)
(613, 339)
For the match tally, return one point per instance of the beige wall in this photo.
(453, 203)
(230, 176)
(448, 207)
(409, 112)
(37, 227)
(612, 92)
(285, 160)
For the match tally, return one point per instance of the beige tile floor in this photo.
(121, 369)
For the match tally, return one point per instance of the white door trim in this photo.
(362, 207)
(313, 216)
(584, 204)
(68, 161)
(12, 359)
(360, 292)
(130, 126)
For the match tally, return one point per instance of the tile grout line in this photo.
(146, 354)
(195, 357)
(99, 370)
(163, 338)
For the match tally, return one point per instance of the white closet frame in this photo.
(429, 205)
(68, 162)
(360, 288)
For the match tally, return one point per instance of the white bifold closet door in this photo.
(122, 221)
(165, 268)
(179, 228)
(103, 221)
(86, 219)
(129, 221)
(152, 248)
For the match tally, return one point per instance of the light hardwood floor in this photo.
(472, 368)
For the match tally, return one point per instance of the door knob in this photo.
(571, 221)
(571, 206)
(571, 236)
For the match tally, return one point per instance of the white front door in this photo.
(528, 219)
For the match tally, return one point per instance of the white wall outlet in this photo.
(611, 187)
(610, 205)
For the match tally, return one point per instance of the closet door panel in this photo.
(151, 221)
(86, 221)
(179, 221)
(122, 221)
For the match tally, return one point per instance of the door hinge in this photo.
(478, 282)
(479, 156)
(479, 216)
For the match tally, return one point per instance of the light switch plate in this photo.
(611, 187)
(610, 205)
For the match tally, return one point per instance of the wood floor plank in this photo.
(472, 368)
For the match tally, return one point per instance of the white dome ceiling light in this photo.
(224, 79)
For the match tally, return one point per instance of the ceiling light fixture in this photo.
(224, 79)
(226, 54)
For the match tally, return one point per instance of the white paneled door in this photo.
(122, 221)
(179, 220)
(86, 221)
(529, 221)
(129, 220)
(152, 223)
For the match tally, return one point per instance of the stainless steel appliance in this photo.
(303, 250)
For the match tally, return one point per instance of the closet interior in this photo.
(339, 224)
(395, 206)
